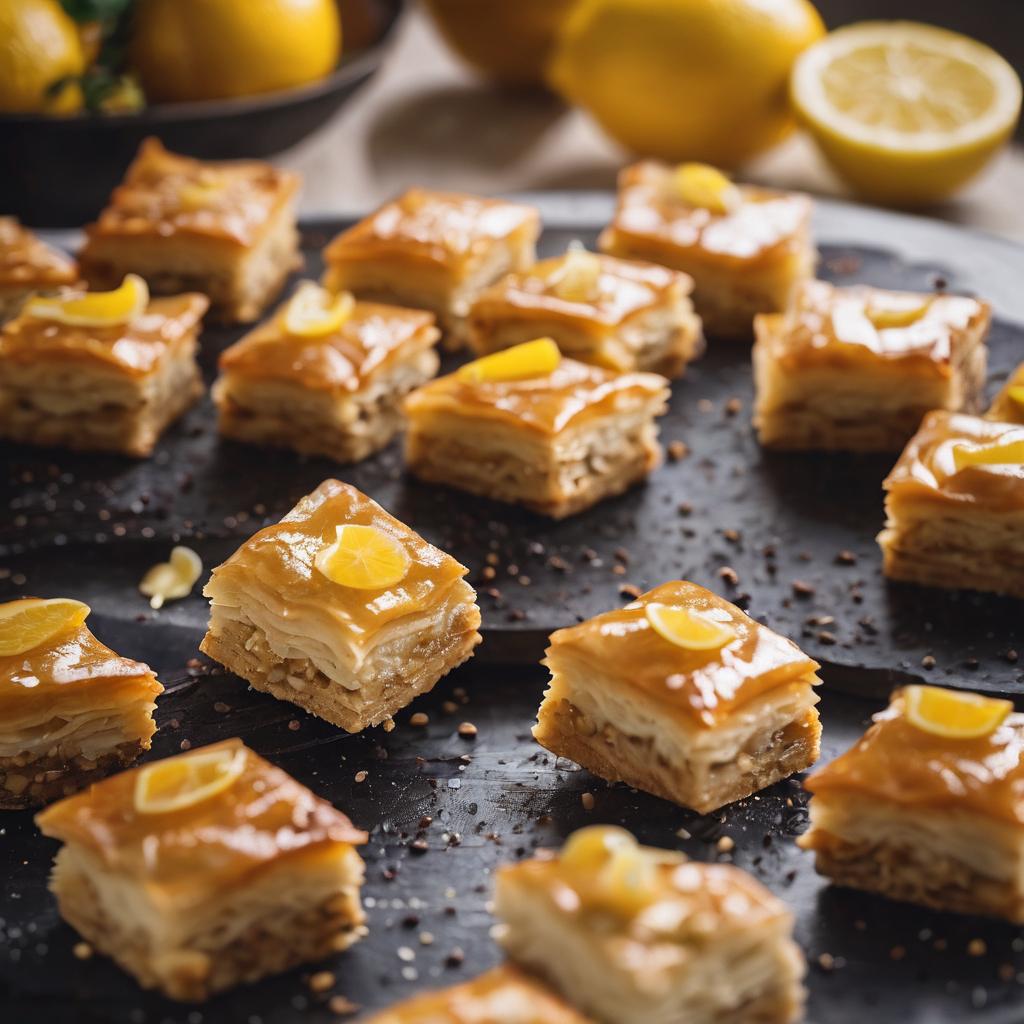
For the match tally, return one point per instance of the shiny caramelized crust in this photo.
(1005, 408)
(827, 377)
(28, 265)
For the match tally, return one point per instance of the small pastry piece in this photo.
(745, 247)
(954, 506)
(326, 376)
(206, 870)
(29, 266)
(435, 251)
(341, 609)
(634, 935)
(855, 369)
(224, 229)
(71, 710)
(682, 695)
(928, 806)
(1008, 406)
(528, 427)
(99, 370)
(616, 313)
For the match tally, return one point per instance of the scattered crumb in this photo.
(361, 776)
(419, 719)
(82, 950)
(977, 947)
(321, 981)
(467, 730)
(725, 844)
(588, 801)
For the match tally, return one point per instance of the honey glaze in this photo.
(26, 261)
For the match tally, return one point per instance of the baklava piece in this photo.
(528, 427)
(341, 609)
(682, 695)
(609, 312)
(224, 229)
(745, 247)
(633, 935)
(105, 371)
(434, 251)
(855, 369)
(28, 266)
(71, 710)
(206, 870)
(928, 807)
(1008, 406)
(955, 506)
(326, 376)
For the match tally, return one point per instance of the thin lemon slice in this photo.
(692, 630)
(203, 193)
(314, 312)
(173, 579)
(578, 278)
(1016, 394)
(187, 780)
(590, 848)
(27, 623)
(629, 881)
(94, 309)
(897, 313)
(953, 714)
(537, 358)
(707, 187)
(365, 558)
(905, 112)
(1008, 453)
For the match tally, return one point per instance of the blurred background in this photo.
(365, 97)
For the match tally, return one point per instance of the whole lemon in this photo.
(699, 80)
(39, 47)
(213, 49)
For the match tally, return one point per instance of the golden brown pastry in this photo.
(29, 266)
(1008, 405)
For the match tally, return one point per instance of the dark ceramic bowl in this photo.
(60, 170)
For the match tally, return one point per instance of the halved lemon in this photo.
(685, 628)
(898, 314)
(590, 848)
(706, 187)
(579, 276)
(1016, 394)
(1009, 453)
(905, 112)
(173, 579)
(31, 621)
(363, 557)
(953, 714)
(187, 780)
(536, 358)
(314, 312)
(94, 309)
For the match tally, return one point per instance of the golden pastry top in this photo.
(371, 339)
(181, 856)
(705, 686)
(27, 262)
(166, 195)
(927, 469)
(544, 405)
(899, 763)
(134, 349)
(1008, 405)
(448, 230)
(762, 225)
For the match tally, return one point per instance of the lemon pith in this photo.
(363, 557)
(537, 358)
(94, 309)
(32, 621)
(953, 714)
(691, 630)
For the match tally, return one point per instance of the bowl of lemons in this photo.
(83, 82)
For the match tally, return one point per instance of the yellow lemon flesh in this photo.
(364, 558)
(689, 629)
(898, 315)
(953, 714)
(173, 579)
(202, 194)
(537, 358)
(27, 623)
(94, 309)
(185, 781)
(905, 113)
(1016, 394)
(314, 312)
(685, 79)
(590, 848)
(706, 187)
(579, 276)
(1010, 453)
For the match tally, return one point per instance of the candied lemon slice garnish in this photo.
(94, 309)
(954, 714)
(173, 579)
(1009, 453)
(897, 313)
(1016, 394)
(202, 193)
(629, 881)
(707, 187)
(313, 312)
(590, 848)
(365, 558)
(537, 358)
(578, 278)
(693, 630)
(187, 780)
(27, 623)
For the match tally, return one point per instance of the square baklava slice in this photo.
(855, 369)
(106, 371)
(682, 695)
(71, 709)
(954, 505)
(326, 375)
(29, 266)
(633, 935)
(435, 251)
(206, 870)
(224, 229)
(529, 427)
(928, 806)
(745, 247)
(1008, 405)
(341, 609)
(621, 314)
